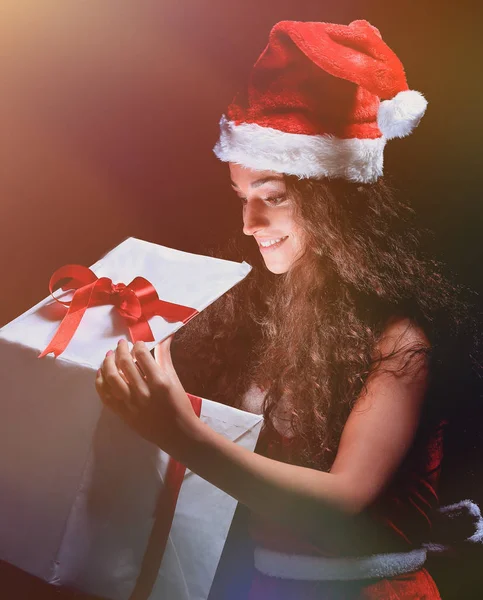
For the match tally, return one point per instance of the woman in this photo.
(334, 337)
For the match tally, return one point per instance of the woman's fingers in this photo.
(135, 379)
(117, 406)
(117, 386)
(150, 367)
(131, 383)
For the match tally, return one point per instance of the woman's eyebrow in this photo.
(260, 182)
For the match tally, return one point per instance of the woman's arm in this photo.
(375, 439)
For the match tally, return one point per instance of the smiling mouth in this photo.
(271, 245)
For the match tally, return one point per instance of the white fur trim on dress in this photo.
(400, 115)
(317, 156)
(321, 568)
(454, 510)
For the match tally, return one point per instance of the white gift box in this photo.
(78, 488)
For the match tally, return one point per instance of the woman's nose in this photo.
(254, 218)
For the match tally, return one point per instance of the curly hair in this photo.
(309, 335)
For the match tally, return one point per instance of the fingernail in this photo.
(119, 342)
(98, 372)
(109, 352)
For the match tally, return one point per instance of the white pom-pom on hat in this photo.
(400, 115)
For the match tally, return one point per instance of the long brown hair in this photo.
(308, 336)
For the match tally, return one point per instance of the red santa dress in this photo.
(403, 513)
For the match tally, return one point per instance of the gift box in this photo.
(83, 498)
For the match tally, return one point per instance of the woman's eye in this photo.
(275, 200)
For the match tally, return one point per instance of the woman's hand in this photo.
(148, 396)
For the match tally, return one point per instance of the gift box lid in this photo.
(179, 277)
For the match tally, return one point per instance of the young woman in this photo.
(335, 336)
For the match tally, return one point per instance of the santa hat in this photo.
(322, 101)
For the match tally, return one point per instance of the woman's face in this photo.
(268, 215)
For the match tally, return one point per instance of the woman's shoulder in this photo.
(403, 344)
(400, 331)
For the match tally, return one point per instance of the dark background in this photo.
(109, 110)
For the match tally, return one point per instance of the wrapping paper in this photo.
(112, 516)
(78, 488)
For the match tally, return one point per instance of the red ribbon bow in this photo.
(136, 303)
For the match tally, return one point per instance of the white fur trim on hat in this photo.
(399, 116)
(321, 568)
(317, 156)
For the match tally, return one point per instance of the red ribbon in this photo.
(136, 303)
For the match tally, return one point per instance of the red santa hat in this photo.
(322, 101)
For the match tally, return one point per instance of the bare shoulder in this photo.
(402, 332)
(404, 347)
